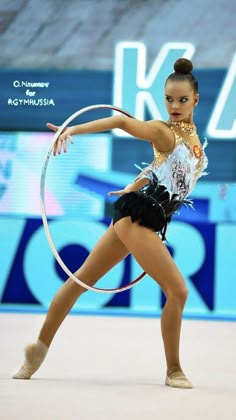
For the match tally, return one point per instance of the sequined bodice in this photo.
(179, 169)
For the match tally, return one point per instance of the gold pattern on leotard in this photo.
(188, 128)
(183, 133)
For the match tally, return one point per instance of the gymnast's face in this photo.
(180, 100)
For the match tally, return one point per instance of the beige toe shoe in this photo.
(178, 380)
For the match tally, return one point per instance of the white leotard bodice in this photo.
(180, 169)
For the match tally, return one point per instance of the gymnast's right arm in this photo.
(153, 131)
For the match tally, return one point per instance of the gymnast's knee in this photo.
(178, 295)
(75, 287)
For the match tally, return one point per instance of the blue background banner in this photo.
(30, 275)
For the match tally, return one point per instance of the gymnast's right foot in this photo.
(35, 354)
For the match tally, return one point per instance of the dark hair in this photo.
(183, 71)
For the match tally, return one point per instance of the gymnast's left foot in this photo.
(178, 380)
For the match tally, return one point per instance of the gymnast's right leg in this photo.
(107, 252)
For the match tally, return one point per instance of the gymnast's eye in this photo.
(169, 99)
(184, 99)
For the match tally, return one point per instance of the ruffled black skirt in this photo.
(152, 206)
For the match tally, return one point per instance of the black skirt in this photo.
(152, 206)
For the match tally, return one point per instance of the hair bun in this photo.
(183, 65)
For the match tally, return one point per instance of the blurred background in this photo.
(58, 57)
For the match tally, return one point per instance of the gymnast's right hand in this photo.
(61, 143)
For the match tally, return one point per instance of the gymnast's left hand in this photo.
(61, 143)
(120, 192)
(128, 188)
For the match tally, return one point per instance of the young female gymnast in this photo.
(141, 215)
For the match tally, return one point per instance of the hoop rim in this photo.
(43, 207)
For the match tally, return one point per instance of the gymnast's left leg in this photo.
(155, 259)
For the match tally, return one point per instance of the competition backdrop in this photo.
(201, 241)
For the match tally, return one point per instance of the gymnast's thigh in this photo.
(107, 252)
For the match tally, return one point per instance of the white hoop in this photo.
(43, 209)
